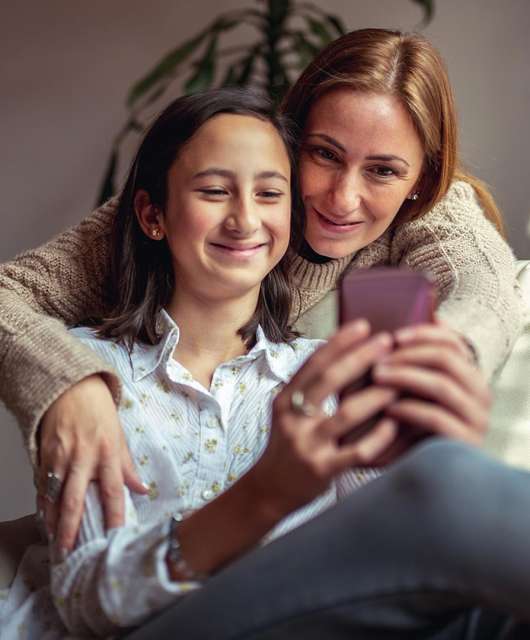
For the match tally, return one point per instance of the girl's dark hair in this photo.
(141, 271)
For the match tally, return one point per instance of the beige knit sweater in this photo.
(63, 282)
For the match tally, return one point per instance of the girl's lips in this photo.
(237, 253)
(329, 225)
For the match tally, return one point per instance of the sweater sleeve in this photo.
(473, 269)
(40, 290)
(115, 579)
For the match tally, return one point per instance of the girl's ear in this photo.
(149, 216)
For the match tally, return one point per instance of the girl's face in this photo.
(361, 158)
(227, 218)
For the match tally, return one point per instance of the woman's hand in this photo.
(81, 439)
(304, 452)
(444, 393)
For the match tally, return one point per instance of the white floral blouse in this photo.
(189, 444)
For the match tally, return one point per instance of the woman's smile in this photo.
(337, 226)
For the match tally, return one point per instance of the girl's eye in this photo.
(213, 192)
(270, 195)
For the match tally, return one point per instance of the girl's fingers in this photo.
(433, 356)
(356, 409)
(434, 333)
(431, 385)
(369, 448)
(321, 381)
(347, 337)
(433, 418)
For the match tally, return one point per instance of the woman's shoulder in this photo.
(459, 204)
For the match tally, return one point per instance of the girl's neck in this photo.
(209, 331)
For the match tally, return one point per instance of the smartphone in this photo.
(389, 298)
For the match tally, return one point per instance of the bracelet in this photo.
(180, 570)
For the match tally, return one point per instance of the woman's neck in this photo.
(209, 331)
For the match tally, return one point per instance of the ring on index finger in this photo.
(53, 487)
(301, 407)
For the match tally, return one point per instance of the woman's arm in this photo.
(40, 289)
(473, 270)
(50, 380)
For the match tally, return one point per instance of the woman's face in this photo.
(361, 158)
(227, 218)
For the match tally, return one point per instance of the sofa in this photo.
(508, 437)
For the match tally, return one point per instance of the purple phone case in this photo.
(389, 298)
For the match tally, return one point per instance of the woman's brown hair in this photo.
(141, 273)
(409, 67)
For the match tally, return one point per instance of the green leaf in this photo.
(334, 21)
(428, 10)
(204, 74)
(107, 189)
(166, 66)
(319, 30)
(303, 48)
(337, 23)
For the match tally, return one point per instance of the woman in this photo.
(387, 194)
(198, 262)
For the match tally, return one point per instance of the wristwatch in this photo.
(179, 568)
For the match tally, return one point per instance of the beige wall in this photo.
(65, 68)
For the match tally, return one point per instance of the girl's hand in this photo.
(445, 394)
(303, 453)
(81, 439)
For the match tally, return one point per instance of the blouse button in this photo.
(207, 494)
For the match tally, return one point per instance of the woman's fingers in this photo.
(71, 505)
(81, 440)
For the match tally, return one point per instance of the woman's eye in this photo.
(324, 153)
(383, 172)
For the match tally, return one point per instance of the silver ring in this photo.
(300, 406)
(54, 486)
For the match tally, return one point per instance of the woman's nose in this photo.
(345, 194)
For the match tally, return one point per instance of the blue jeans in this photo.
(437, 548)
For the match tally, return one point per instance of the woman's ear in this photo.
(149, 216)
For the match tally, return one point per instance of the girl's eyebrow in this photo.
(384, 157)
(226, 173)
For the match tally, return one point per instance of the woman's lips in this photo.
(329, 225)
(237, 252)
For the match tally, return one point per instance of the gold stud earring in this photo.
(155, 232)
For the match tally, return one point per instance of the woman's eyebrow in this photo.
(383, 157)
(328, 139)
(226, 173)
(388, 158)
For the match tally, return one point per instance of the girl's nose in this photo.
(242, 218)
